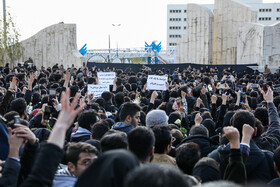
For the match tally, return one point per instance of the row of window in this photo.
(177, 11)
(172, 44)
(175, 28)
(177, 19)
(264, 18)
(175, 36)
(266, 10)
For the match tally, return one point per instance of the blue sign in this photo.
(83, 50)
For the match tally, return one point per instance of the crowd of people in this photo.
(210, 127)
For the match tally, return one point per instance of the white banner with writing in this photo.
(97, 90)
(156, 82)
(106, 78)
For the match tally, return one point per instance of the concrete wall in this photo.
(196, 45)
(271, 52)
(250, 43)
(54, 44)
(227, 16)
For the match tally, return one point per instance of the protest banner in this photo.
(106, 78)
(156, 82)
(97, 90)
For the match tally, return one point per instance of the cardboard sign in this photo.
(156, 82)
(97, 90)
(106, 78)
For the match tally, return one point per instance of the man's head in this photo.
(87, 118)
(141, 141)
(107, 96)
(187, 155)
(156, 117)
(99, 129)
(130, 114)
(19, 105)
(113, 140)
(79, 156)
(199, 130)
(262, 114)
(242, 117)
(163, 139)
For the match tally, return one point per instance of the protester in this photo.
(218, 124)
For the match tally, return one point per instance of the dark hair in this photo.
(261, 113)
(199, 130)
(207, 169)
(99, 129)
(19, 105)
(117, 140)
(43, 81)
(242, 117)
(73, 90)
(196, 92)
(87, 118)
(187, 155)
(10, 115)
(128, 109)
(141, 141)
(173, 117)
(260, 127)
(74, 150)
(106, 96)
(119, 98)
(156, 175)
(163, 137)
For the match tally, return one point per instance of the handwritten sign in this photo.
(97, 90)
(156, 82)
(106, 78)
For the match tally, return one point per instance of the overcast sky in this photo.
(141, 20)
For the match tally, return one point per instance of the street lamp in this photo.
(4, 17)
(117, 25)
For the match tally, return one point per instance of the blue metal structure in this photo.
(152, 48)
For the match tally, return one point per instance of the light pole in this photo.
(117, 25)
(4, 17)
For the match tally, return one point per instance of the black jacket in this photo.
(271, 139)
(259, 166)
(44, 167)
(10, 173)
(205, 144)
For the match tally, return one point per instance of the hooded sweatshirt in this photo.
(81, 134)
(122, 126)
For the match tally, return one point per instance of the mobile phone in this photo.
(264, 87)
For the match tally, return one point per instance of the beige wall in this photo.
(196, 45)
(228, 14)
(54, 44)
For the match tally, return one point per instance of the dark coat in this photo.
(259, 166)
(271, 139)
(205, 144)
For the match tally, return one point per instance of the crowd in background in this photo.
(210, 127)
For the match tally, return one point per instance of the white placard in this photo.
(106, 78)
(156, 82)
(97, 90)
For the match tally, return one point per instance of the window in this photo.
(260, 10)
(264, 18)
(278, 9)
(278, 18)
(185, 11)
(179, 11)
(185, 28)
(185, 19)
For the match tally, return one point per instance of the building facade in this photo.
(267, 14)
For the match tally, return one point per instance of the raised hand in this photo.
(232, 135)
(268, 96)
(22, 131)
(198, 119)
